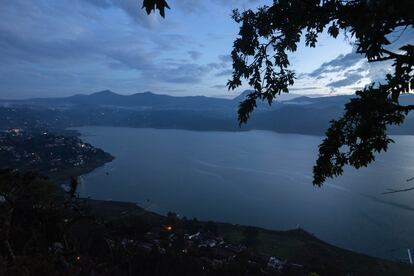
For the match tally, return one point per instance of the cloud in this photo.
(341, 63)
(225, 58)
(71, 46)
(132, 8)
(219, 86)
(200, 6)
(194, 54)
(166, 42)
(100, 3)
(350, 79)
(183, 73)
(304, 88)
(64, 46)
(226, 72)
(349, 69)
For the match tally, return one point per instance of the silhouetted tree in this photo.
(152, 5)
(260, 56)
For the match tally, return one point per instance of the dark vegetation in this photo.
(45, 233)
(260, 56)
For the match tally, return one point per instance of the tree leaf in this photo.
(152, 5)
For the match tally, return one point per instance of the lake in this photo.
(258, 178)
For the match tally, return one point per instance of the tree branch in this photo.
(405, 107)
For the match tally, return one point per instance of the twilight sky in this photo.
(60, 48)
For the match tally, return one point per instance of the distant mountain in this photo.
(283, 97)
(140, 101)
(301, 114)
(320, 102)
(146, 101)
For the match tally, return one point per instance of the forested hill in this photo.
(291, 114)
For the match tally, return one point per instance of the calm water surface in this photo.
(259, 178)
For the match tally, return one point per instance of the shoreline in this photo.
(363, 242)
(66, 174)
(289, 244)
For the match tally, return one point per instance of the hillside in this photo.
(295, 246)
(293, 114)
(75, 236)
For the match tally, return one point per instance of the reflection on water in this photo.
(259, 178)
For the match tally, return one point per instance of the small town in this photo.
(40, 150)
(142, 240)
(212, 251)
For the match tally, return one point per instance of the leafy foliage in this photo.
(152, 5)
(353, 139)
(267, 36)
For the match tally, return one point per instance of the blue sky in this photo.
(60, 48)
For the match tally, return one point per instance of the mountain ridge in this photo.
(302, 115)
